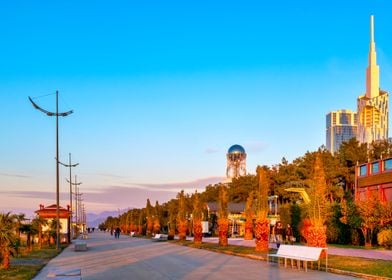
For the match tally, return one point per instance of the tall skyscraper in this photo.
(373, 106)
(341, 127)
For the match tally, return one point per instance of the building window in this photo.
(375, 167)
(362, 170)
(388, 164)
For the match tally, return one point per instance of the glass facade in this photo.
(341, 126)
(363, 170)
(375, 167)
(388, 164)
(343, 134)
(345, 118)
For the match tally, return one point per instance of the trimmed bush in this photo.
(384, 238)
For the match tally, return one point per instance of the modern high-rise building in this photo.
(373, 106)
(341, 126)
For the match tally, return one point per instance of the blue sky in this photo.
(161, 90)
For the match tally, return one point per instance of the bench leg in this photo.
(326, 263)
(285, 262)
(306, 266)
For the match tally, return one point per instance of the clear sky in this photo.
(161, 89)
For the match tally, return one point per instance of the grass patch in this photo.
(346, 246)
(353, 264)
(361, 265)
(230, 248)
(28, 264)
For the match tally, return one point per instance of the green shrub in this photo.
(384, 238)
(333, 233)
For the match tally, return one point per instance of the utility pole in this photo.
(56, 114)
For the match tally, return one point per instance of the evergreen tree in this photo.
(223, 222)
(262, 223)
(181, 221)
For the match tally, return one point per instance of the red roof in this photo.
(51, 211)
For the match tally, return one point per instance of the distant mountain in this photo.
(93, 219)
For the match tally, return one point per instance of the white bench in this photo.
(80, 245)
(300, 253)
(64, 274)
(159, 237)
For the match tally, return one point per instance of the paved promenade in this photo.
(134, 258)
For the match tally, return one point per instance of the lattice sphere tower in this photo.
(236, 162)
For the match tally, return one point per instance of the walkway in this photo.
(134, 258)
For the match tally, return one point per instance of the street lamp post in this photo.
(78, 201)
(70, 165)
(76, 184)
(56, 114)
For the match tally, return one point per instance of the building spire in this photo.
(371, 29)
(372, 71)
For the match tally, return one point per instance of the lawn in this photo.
(28, 264)
(361, 265)
(345, 263)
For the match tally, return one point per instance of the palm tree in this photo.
(19, 219)
(37, 224)
(29, 230)
(8, 237)
(52, 231)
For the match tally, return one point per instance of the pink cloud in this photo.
(196, 184)
(133, 195)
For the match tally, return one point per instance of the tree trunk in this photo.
(40, 238)
(29, 249)
(248, 230)
(157, 226)
(171, 234)
(261, 235)
(197, 232)
(317, 237)
(182, 228)
(223, 226)
(150, 227)
(6, 259)
(368, 237)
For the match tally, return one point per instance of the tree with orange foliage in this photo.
(316, 235)
(182, 223)
(172, 207)
(157, 225)
(197, 217)
(223, 221)
(262, 223)
(150, 221)
(371, 213)
(140, 222)
(249, 213)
